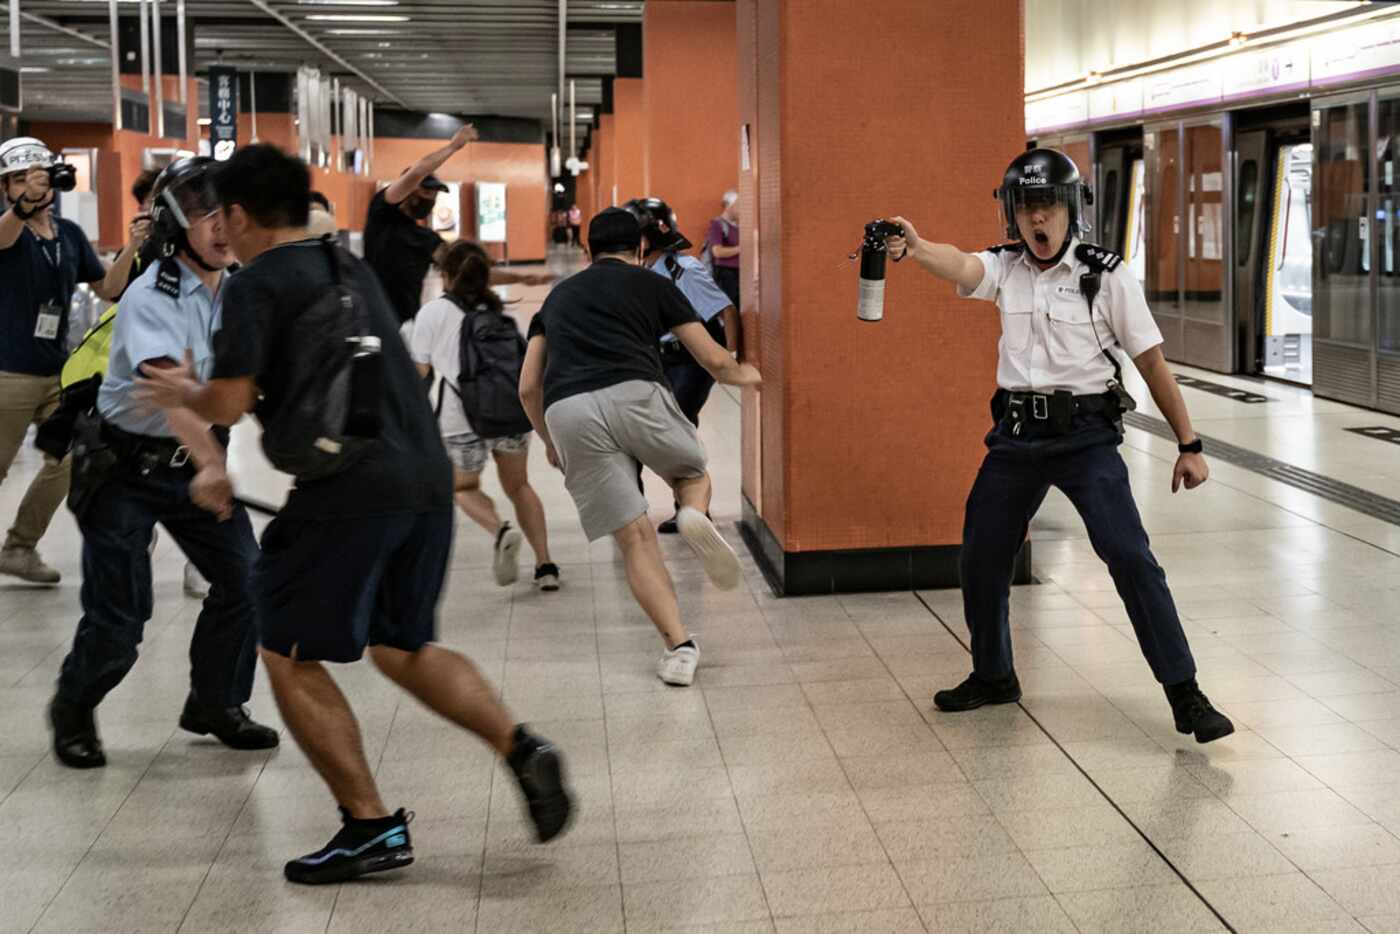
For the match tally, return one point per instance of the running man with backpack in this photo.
(476, 348)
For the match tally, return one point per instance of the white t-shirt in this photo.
(436, 340)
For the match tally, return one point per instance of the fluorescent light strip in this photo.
(358, 18)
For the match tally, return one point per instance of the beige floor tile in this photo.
(1263, 902)
(1338, 847)
(925, 802)
(926, 768)
(1083, 869)
(678, 858)
(1363, 890)
(553, 910)
(832, 889)
(890, 921)
(1097, 825)
(974, 878)
(1042, 915)
(816, 775)
(1152, 909)
(1041, 792)
(695, 901)
(1226, 856)
(814, 846)
(1288, 811)
(917, 840)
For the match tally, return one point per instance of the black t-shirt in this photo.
(35, 272)
(409, 470)
(601, 328)
(399, 250)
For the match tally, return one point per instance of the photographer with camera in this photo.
(42, 260)
(1058, 411)
(134, 467)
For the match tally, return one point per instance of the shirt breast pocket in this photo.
(1072, 339)
(1016, 329)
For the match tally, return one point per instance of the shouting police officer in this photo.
(690, 382)
(135, 467)
(1063, 304)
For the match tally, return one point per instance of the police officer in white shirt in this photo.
(1064, 305)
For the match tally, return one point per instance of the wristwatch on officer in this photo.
(1191, 447)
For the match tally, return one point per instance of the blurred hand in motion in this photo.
(212, 490)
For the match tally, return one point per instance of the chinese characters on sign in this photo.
(223, 111)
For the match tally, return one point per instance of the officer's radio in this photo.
(871, 304)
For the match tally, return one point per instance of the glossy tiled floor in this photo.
(804, 784)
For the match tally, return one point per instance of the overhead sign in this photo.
(491, 212)
(223, 110)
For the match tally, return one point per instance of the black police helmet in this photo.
(658, 224)
(182, 195)
(1040, 177)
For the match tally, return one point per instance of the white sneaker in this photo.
(506, 564)
(721, 563)
(677, 666)
(195, 584)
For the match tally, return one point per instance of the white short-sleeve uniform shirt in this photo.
(1048, 341)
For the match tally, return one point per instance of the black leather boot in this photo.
(229, 725)
(75, 739)
(975, 692)
(1194, 714)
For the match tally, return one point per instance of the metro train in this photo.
(1265, 236)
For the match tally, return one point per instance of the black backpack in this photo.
(490, 354)
(330, 417)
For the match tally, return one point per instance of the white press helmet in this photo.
(22, 153)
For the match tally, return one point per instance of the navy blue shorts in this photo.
(326, 588)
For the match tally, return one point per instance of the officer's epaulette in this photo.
(1016, 247)
(1097, 258)
(168, 277)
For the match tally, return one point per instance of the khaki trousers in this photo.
(27, 400)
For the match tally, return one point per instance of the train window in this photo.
(1245, 210)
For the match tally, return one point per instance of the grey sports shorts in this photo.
(600, 436)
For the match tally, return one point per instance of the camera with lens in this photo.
(63, 177)
(871, 304)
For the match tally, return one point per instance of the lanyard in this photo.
(56, 259)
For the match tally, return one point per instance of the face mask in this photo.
(420, 208)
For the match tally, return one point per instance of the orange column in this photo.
(607, 157)
(630, 139)
(861, 447)
(692, 107)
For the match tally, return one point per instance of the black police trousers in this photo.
(690, 383)
(117, 525)
(1085, 465)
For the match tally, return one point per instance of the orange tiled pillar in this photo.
(692, 106)
(630, 139)
(859, 451)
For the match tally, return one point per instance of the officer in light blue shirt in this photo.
(133, 468)
(664, 244)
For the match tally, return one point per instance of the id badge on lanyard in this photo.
(50, 315)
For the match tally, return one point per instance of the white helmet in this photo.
(22, 153)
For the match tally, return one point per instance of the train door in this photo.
(1273, 254)
(1343, 309)
(1118, 190)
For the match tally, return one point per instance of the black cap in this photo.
(434, 183)
(614, 231)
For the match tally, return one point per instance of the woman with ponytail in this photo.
(436, 347)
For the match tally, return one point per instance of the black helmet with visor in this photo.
(182, 196)
(1040, 178)
(658, 223)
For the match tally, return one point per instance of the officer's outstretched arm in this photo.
(942, 259)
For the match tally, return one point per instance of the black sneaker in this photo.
(547, 577)
(540, 771)
(1193, 713)
(361, 847)
(975, 692)
(669, 527)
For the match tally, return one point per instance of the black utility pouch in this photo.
(93, 462)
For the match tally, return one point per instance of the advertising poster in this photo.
(491, 212)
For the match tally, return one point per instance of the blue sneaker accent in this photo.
(350, 855)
